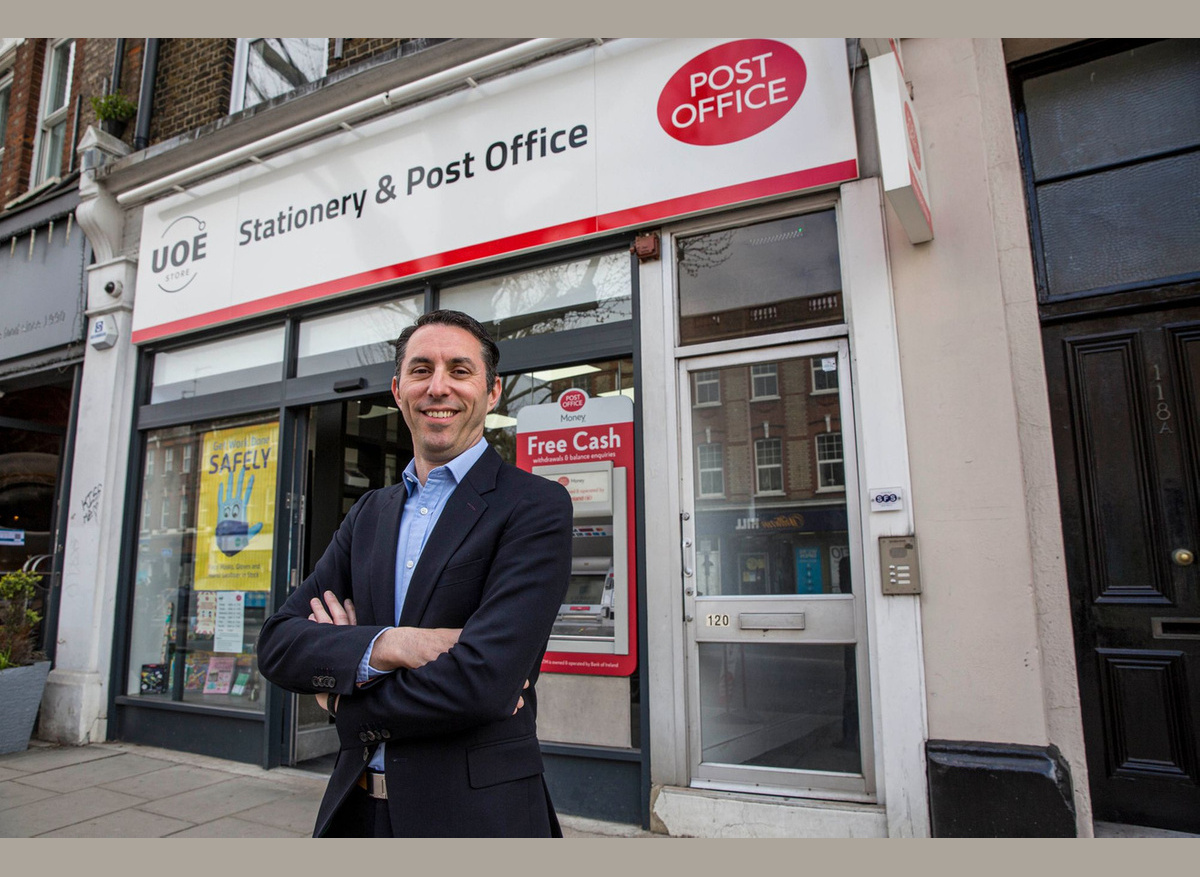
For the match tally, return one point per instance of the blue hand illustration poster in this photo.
(235, 526)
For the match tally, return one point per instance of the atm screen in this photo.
(585, 590)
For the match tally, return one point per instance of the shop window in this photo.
(1112, 160)
(218, 366)
(52, 124)
(356, 338)
(710, 461)
(202, 589)
(768, 462)
(591, 291)
(824, 374)
(764, 381)
(831, 470)
(6, 81)
(708, 388)
(267, 67)
(779, 275)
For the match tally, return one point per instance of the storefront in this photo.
(42, 261)
(686, 250)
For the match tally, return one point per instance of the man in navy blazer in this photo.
(443, 696)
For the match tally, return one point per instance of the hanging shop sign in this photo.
(235, 521)
(586, 444)
(901, 154)
(631, 132)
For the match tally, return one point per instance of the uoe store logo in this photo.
(184, 243)
(572, 400)
(731, 92)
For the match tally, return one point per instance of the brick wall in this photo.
(192, 87)
(356, 49)
(22, 119)
(97, 71)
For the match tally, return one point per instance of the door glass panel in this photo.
(770, 481)
(780, 705)
(356, 338)
(768, 277)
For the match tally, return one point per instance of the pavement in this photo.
(125, 790)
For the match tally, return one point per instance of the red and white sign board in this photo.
(901, 154)
(582, 430)
(625, 134)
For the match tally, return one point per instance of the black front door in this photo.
(1125, 400)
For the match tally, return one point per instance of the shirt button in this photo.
(424, 510)
(408, 565)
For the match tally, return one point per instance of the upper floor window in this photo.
(768, 464)
(266, 67)
(824, 374)
(6, 82)
(52, 124)
(711, 465)
(764, 381)
(831, 468)
(708, 387)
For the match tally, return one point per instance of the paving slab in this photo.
(48, 758)
(229, 826)
(15, 794)
(94, 773)
(62, 810)
(220, 799)
(169, 781)
(123, 823)
(8, 774)
(295, 813)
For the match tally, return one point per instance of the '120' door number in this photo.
(716, 620)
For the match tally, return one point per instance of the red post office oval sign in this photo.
(572, 400)
(731, 92)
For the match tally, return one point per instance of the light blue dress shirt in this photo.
(421, 512)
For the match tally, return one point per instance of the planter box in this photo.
(21, 694)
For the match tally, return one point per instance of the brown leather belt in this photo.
(374, 784)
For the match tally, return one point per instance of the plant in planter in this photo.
(23, 671)
(113, 111)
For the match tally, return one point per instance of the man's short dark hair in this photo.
(488, 349)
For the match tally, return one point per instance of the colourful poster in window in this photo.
(236, 520)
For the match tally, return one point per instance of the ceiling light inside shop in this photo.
(628, 391)
(499, 421)
(558, 374)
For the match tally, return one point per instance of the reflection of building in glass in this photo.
(770, 479)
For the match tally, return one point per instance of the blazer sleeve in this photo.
(480, 678)
(303, 656)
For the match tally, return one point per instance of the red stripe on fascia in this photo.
(839, 172)
(912, 178)
(785, 183)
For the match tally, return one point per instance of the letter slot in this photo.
(771, 620)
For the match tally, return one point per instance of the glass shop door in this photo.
(772, 574)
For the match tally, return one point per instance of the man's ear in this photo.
(396, 389)
(494, 395)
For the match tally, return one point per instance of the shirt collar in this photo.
(458, 467)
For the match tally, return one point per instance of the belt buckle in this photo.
(375, 784)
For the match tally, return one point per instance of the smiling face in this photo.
(443, 393)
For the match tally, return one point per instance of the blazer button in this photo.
(316, 681)
(363, 737)
(366, 753)
(385, 734)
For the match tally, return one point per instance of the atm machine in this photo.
(594, 615)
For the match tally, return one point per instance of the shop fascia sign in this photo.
(901, 154)
(621, 135)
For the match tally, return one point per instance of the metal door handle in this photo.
(1182, 557)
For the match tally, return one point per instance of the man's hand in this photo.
(331, 612)
(407, 648)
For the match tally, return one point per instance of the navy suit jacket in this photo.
(458, 762)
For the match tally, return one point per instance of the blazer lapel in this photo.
(382, 581)
(463, 509)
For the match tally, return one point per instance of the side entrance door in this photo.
(1125, 404)
(778, 680)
